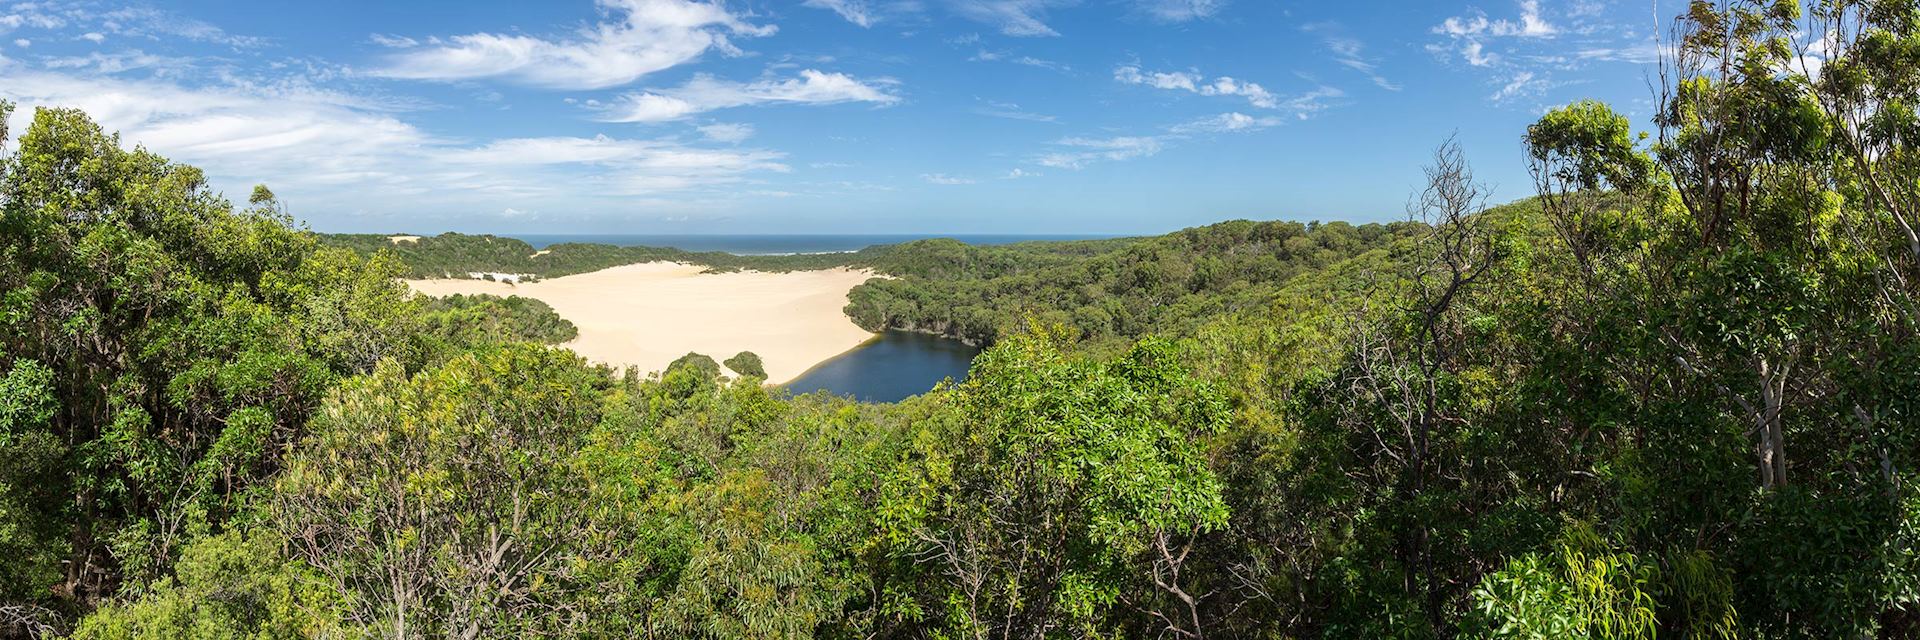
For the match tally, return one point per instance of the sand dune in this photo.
(647, 315)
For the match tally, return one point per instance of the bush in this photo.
(748, 364)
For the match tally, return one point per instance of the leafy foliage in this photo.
(467, 320)
(1674, 395)
(747, 363)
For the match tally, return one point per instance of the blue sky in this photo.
(828, 116)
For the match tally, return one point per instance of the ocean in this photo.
(761, 245)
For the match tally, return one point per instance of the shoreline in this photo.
(648, 314)
(868, 343)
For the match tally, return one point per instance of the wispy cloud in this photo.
(855, 11)
(1469, 34)
(1350, 52)
(118, 62)
(944, 179)
(1193, 82)
(316, 145)
(1520, 56)
(1233, 122)
(1179, 10)
(647, 36)
(1523, 84)
(151, 22)
(1030, 61)
(731, 133)
(1025, 18)
(706, 93)
(1077, 153)
(1012, 111)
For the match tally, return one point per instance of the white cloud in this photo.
(727, 132)
(117, 62)
(1350, 52)
(93, 37)
(1314, 101)
(392, 41)
(1476, 54)
(330, 152)
(22, 43)
(944, 179)
(1180, 10)
(1531, 25)
(30, 15)
(1084, 151)
(1645, 52)
(648, 36)
(1195, 83)
(1018, 173)
(855, 11)
(1012, 111)
(997, 56)
(1522, 83)
(705, 93)
(1013, 17)
(148, 22)
(1227, 123)
(1469, 34)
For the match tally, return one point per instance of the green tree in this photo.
(187, 343)
(747, 363)
(1061, 497)
(444, 504)
(226, 586)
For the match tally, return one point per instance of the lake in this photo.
(890, 368)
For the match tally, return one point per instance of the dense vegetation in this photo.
(476, 318)
(1675, 394)
(1115, 289)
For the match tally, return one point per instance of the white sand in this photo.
(647, 315)
(400, 239)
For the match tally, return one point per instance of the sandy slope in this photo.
(649, 314)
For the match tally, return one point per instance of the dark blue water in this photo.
(751, 245)
(893, 366)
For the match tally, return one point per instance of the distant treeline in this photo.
(454, 255)
(1105, 289)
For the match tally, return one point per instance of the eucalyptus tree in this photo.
(187, 343)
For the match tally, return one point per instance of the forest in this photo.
(1676, 393)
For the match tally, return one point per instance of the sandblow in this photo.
(647, 315)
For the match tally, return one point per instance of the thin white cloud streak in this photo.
(1030, 61)
(1180, 10)
(706, 93)
(1012, 111)
(1350, 53)
(1193, 82)
(151, 22)
(1233, 122)
(946, 180)
(647, 36)
(854, 11)
(1080, 152)
(1024, 18)
(730, 133)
